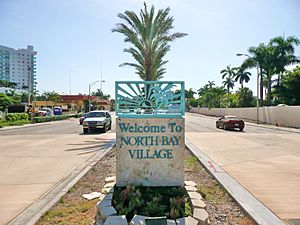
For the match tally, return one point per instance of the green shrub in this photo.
(12, 117)
(151, 201)
(42, 119)
(14, 123)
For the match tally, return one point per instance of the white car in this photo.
(97, 119)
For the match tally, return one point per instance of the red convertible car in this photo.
(230, 122)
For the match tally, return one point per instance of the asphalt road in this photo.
(34, 159)
(71, 126)
(200, 123)
(263, 159)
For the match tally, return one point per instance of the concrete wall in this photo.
(280, 115)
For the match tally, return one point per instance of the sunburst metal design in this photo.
(144, 98)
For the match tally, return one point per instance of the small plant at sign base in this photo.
(154, 207)
(177, 207)
(61, 200)
(191, 162)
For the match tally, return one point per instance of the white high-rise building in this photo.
(19, 66)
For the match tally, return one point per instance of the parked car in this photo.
(45, 112)
(230, 122)
(97, 119)
(57, 111)
(81, 119)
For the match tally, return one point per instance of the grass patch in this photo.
(70, 213)
(171, 202)
(191, 163)
(213, 193)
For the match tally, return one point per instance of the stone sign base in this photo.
(150, 151)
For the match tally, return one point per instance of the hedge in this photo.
(12, 117)
(14, 123)
(41, 119)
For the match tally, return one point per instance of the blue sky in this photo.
(74, 37)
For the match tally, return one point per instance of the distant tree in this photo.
(193, 102)
(101, 95)
(12, 93)
(245, 97)
(271, 59)
(5, 101)
(211, 96)
(150, 35)
(24, 96)
(228, 75)
(189, 94)
(289, 91)
(242, 76)
(54, 96)
(34, 95)
(284, 53)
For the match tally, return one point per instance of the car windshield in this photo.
(96, 114)
(232, 118)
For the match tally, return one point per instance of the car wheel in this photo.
(109, 128)
(225, 126)
(217, 125)
(241, 128)
(85, 130)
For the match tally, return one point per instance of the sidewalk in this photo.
(261, 214)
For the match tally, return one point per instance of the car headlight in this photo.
(85, 123)
(99, 123)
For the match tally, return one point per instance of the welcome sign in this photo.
(150, 133)
(150, 151)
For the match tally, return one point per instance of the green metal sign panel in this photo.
(142, 99)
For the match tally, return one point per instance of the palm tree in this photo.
(211, 84)
(228, 74)
(242, 76)
(150, 36)
(271, 59)
(285, 50)
(257, 59)
(54, 96)
(228, 83)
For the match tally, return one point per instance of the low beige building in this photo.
(74, 103)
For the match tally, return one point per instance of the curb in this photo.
(33, 213)
(251, 205)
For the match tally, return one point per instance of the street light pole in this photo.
(257, 84)
(89, 98)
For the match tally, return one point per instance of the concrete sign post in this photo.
(150, 133)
